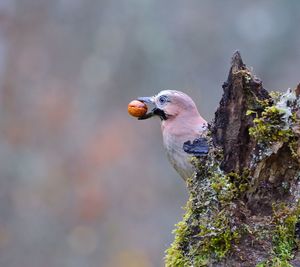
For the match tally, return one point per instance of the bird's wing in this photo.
(199, 147)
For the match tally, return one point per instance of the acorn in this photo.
(137, 108)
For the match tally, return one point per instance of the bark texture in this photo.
(244, 208)
(231, 124)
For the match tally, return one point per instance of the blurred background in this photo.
(81, 182)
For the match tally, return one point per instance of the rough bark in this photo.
(243, 208)
(231, 123)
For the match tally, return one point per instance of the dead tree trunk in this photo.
(244, 207)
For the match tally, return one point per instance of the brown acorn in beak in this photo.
(137, 108)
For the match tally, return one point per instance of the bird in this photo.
(183, 128)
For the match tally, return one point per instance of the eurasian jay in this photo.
(182, 126)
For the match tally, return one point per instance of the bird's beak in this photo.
(155, 111)
(147, 99)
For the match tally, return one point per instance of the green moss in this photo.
(230, 186)
(174, 254)
(214, 240)
(201, 260)
(275, 95)
(284, 241)
(216, 236)
(293, 145)
(207, 231)
(270, 127)
(284, 234)
(275, 123)
(274, 262)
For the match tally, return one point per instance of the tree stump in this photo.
(243, 207)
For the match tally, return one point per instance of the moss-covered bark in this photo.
(243, 208)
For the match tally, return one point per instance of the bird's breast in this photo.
(175, 133)
(177, 156)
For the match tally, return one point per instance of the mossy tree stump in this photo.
(243, 208)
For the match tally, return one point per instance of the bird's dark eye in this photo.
(163, 99)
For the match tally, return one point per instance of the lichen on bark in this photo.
(243, 207)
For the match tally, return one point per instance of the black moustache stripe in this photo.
(160, 113)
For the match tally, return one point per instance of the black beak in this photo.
(155, 111)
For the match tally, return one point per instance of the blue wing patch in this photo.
(199, 147)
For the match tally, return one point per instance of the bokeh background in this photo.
(81, 182)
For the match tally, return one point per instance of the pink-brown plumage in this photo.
(180, 122)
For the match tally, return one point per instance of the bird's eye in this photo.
(163, 99)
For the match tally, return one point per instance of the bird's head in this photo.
(169, 104)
